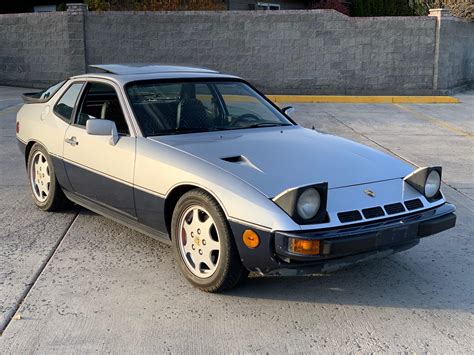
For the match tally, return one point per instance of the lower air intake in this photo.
(349, 216)
(394, 208)
(413, 204)
(373, 212)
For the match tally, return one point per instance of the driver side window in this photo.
(101, 102)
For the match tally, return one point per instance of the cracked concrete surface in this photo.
(86, 284)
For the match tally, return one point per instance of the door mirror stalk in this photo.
(288, 110)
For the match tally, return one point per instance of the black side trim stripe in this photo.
(97, 172)
(112, 177)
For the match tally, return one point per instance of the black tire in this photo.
(55, 200)
(229, 271)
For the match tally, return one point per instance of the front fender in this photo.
(160, 168)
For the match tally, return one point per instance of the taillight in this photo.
(17, 127)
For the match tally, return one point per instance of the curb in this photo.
(342, 99)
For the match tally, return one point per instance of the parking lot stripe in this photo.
(437, 122)
(348, 99)
(393, 152)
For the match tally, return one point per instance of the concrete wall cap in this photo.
(440, 13)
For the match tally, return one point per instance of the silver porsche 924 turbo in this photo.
(203, 161)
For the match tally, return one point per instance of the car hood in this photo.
(275, 159)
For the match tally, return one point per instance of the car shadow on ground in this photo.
(396, 281)
(411, 279)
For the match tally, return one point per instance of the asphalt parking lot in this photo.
(77, 282)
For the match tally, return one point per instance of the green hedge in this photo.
(382, 8)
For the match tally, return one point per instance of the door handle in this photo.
(72, 141)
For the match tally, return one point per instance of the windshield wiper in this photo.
(267, 124)
(182, 130)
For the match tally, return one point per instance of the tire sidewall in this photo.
(52, 188)
(224, 233)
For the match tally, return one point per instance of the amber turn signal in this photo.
(303, 246)
(251, 239)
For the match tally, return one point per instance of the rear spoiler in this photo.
(33, 98)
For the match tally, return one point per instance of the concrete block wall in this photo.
(456, 56)
(301, 52)
(39, 49)
(294, 52)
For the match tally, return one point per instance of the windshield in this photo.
(200, 106)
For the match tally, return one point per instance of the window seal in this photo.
(204, 79)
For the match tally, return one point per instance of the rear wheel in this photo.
(46, 192)
(204, 245)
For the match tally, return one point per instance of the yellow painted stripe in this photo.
(425, 100)
(363, 99)
(438, 122)
(229, 98)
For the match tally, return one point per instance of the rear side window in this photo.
(46, 94)
(66, 103)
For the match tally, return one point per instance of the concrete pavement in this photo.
(82, 283)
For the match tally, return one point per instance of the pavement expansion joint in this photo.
(13, 312)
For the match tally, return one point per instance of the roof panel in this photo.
(122, 69)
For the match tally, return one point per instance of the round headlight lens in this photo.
(433, 183)
(308, 203)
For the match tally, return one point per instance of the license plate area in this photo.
(369, 242)
(392, 236)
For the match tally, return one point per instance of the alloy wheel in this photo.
(199, 241)
(40, 177)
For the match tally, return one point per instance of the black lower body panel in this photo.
(342, 246)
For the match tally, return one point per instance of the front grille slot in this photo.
(413, 204)
(373, 212)
(349, 216)
(378, 211)
(394, 208)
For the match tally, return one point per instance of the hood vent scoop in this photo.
(241, 160)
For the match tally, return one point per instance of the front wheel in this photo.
(203, 243)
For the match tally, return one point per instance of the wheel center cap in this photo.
(197, 241)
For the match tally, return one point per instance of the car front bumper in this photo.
(345, 245)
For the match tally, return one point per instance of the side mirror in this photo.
(96, 127)
(288, 110)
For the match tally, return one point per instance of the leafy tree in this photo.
(460, 8)
(381, 8)
(153, 5)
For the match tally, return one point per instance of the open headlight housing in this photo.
(305, 205)
(427, 181)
